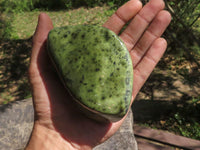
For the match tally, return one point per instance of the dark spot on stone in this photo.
(81, 81)
(94, 60)
(118, 69)
(127, 80)
(96, 40)
(100, 79)
(65, 35)
(111, 74)
(114, 63)
(85, 83)
(90, 90)
(94, 44)
(97, 69)
(123, 63)
(126, 99)
(119, 49)
(91, 101)
(106, 36)
(74, 35)
(92, 85)
(126, 57)
(127, 92)
(53, 37)
(103, 98)
(84, 46)
(83, 36)
(110, 95)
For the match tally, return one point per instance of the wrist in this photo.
(46, 139)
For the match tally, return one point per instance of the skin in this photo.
(58, 123)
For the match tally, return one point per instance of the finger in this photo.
(147, 64)
(41, 33)
(38, 55)
(154, 31)
(123, 15)
(140, 22)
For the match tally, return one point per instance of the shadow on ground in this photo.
(166, 93)
(14, 60)
(170, 101)
(173, 116)
(165, 84)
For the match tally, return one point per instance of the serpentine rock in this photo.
(96, 68)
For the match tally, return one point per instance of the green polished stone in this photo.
(96, 68)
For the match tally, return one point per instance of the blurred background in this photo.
(169, 100)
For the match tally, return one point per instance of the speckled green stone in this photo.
(96, 68)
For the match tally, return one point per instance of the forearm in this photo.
(47, 139)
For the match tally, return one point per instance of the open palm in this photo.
(58, 122)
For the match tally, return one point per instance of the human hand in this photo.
(58, 123)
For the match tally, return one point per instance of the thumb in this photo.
(44, 26)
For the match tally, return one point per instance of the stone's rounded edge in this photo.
(130, 65)
(99, 117)
(16, 124)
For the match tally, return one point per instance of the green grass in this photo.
(24, 24)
